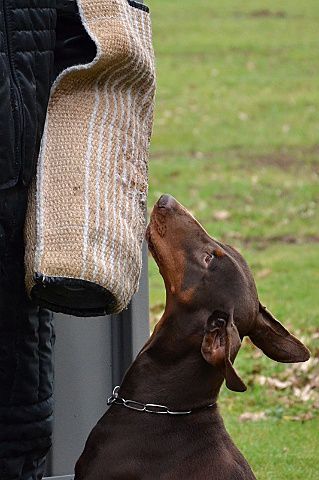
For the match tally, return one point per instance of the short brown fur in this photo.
(211, 303)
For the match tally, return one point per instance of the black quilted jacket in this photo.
(30, 30)
(38, 39)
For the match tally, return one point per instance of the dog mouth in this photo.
(169, 224)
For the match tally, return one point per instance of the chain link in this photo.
(147, 407)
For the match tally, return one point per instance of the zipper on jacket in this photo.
(15, 89)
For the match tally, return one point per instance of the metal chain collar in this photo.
(149, 407)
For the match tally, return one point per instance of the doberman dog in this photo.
(211, 304)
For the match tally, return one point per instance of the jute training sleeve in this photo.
(86, 214)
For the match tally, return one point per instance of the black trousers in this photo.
(26, 347)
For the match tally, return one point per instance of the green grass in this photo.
(236, 131)
(277, 450)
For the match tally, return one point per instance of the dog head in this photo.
(212, 282)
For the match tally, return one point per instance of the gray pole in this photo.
(91, 357)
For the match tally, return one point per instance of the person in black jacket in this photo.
(38, 39)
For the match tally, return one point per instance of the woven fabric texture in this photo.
(86, 213)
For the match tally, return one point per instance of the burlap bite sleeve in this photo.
(86, 215)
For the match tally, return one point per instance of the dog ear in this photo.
(220, 345)
(275, 341)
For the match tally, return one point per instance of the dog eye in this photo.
(209, 257)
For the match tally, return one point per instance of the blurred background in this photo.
(236, 140)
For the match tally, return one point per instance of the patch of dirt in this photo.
(262, 243)
(264, 13)
(267, 13)
(278, 159)
(282, 159)
(167, 154)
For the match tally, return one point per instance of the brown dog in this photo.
(211, 305)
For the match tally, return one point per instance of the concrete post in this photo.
(91, 357)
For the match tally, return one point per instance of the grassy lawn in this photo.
(236, 141)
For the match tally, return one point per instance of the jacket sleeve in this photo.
(73, 44)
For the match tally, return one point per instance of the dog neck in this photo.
(170, 369)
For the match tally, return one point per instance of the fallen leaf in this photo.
(299, 418)
(265, 272)
(252, 416)
(304, 394)
(221, 215)
(243, 116)
(275, 382)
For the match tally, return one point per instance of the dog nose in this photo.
(165, 201)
